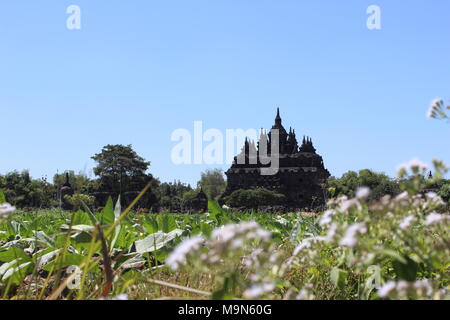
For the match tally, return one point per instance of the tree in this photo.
(119, 166)
(213, 183)
(379, 183)
(173, 195)
(444, 192)
(22, 191)
(122, 171)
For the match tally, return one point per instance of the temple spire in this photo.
(278, 118)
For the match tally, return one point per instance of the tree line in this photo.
(120, 171)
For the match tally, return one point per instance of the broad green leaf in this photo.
(156, 241)
(151, 224)
(136, 261)
(166, 223)
(90, 213)
(373, 281)
(406, 271)
(125, 238)
(17, 272)
(206, 229)
(70, 259)
(79, 228)
(43, 238)
(13, 253)
(117, 212)
(81, 217)
(338, 277)
(107, 216)
(45, 259)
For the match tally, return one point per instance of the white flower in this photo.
(424, 285)
(326, 217)
(350, 238)
(248, 230)
(433, 218)
(306, 293)
(433, 107)
(414, 164)
(387, 288)
(407, 222)
(303, 245)
(347, 204)
(434, 197)
(402, 286)
(363, 193)
(178, 256)
(6, 209)
(258, 290)
(306, 243)
(402, 196)
(331, 232)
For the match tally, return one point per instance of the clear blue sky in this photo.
(137, 70)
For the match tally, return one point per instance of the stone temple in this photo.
(301, 177)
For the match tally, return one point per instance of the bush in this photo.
(253, 198)
(78, 199)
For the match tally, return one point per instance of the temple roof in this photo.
(278, 124)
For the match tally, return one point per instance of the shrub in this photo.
(253, 198)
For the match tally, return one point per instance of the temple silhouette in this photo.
(301, 177)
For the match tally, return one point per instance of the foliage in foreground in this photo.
(395, 247)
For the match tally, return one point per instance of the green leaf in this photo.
(338, 277)
(136, 261)
(373, 281)
(206, 229)
(90, 213)
(46, 258)
(406, 271)
(166, 223)
(2, 197)
(125, 238)
(117, 211)
(226, 292)
(151, 224)
(156, 241)
(70, 259)
(107, 216)
(79, 228)
(13, 253)
(43, 238)
(15, 271)
(81, 217)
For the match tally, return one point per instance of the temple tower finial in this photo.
(278, 118)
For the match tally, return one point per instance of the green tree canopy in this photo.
(122, 171)
(213, 183)
(379, 183)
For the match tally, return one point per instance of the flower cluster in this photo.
(231, 250)
(421, 289)
(404, 231)
(6, 209)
